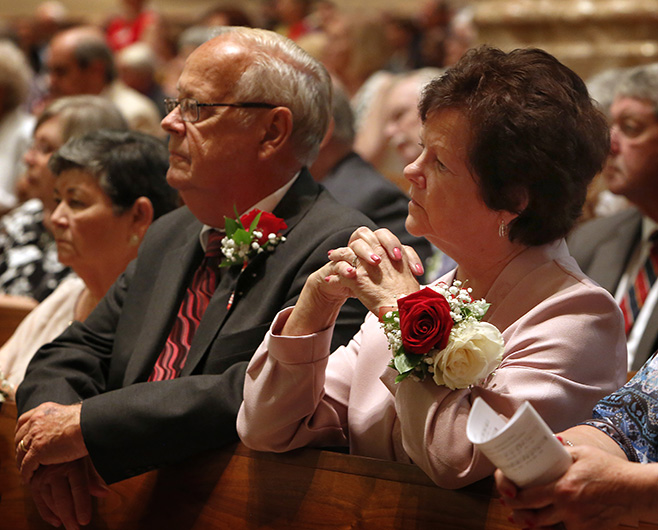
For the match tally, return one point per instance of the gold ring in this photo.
(21, 446)
(355, 261)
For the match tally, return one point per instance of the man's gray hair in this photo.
(640, 82)
(15, 75)
(283, 74)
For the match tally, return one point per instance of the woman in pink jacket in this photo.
(510, 143)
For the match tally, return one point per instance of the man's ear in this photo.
(277, 131)
(142, 216)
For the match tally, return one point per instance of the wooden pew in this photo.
(236, 488)
(13, 309)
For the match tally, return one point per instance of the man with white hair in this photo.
(155, 374)
(619, 251)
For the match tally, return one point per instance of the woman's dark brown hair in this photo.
(537, 139)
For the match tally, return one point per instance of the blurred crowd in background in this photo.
(142, 50)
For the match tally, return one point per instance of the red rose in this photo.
(425, 321)
(267, 224)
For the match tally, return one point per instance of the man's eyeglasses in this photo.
(189, 107)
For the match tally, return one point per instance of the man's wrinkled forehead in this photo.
(218, 63)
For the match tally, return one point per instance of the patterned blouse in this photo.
(630, 415)
(28, 259)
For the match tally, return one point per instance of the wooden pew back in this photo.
(237, 489)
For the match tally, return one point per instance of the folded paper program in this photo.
(524, 447)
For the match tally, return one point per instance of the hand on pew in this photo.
(62, 492)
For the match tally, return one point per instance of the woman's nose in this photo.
(414, 173)
(29, 156)
(58, 217)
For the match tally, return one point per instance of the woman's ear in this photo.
(141, 216)
(276, 133)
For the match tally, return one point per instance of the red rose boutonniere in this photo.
(253, 233)
(437, 331)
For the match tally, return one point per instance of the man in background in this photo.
(355, 183)
(619, 251)
(79, 61)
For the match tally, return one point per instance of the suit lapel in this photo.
(292, 208)
(167, 293)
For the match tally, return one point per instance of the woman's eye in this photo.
(441, 165)
(76, 204)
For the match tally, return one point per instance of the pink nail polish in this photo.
(419, 268)
(329, 253)
(375, 258)
(397, 253)
(327, 278)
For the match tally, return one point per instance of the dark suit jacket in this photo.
(131, 426)
(354, 182)
(603, 247)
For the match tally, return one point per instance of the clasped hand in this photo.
(53, 459)
(375, 268)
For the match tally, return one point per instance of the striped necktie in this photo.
(638, 291)
(196, 299)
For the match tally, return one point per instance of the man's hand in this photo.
(48, 434)
(62, 492)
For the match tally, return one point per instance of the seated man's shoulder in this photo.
(357, 183)
(604, 227)
(331, 214)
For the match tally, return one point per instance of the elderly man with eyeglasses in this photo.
(155, 374)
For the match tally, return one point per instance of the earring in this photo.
(134, 240)
(502, 229)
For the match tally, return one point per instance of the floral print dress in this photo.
(630, 415)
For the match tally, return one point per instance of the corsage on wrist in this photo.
(437, 331)
(241, 243)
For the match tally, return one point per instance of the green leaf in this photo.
(402, 377)
(231, 225)
(254, 223)
(406, 362)
(241, 236)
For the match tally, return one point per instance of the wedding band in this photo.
(355, 262)
(21, 446)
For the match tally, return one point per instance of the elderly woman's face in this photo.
(446, 206)
(47, 139)
(89, 235)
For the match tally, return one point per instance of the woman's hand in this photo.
(598, 492)
(380, 269)
(320, 300)
(375, 268)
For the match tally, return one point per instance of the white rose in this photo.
(473, 352)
